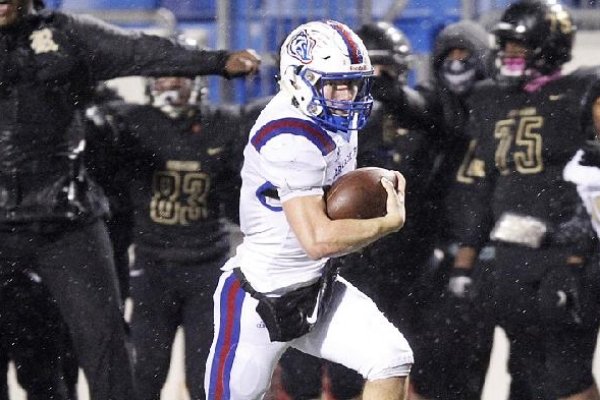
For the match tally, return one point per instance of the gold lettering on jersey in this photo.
(524, 112)
(529, 159)
(180, 194)
(504, 137)
(462, 174)
(177, 165)
(477, 168)
(518, 139)
(42, 41)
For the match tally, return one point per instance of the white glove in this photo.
(459, 282)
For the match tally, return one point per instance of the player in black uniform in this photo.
(527, 124)
(49, 210)
(183, 174)
(451, 335)
(421, 133)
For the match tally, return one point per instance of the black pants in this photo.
(3, 372)
(550, 357)
(451, 337)
(120, 232)
(75, 262)
(167, 296)
(33, 335)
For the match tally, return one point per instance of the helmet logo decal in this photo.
(561, 20)
(301, 47)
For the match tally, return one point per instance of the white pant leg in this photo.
(356, 334)
(242, 358)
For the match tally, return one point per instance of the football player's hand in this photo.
(396, 213)
(241, 63)
(460, 282)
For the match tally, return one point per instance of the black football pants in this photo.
(75, 262)
(32, 334)
(547, 360)
(166, 296)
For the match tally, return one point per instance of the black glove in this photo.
(387, 90)
(591, 154)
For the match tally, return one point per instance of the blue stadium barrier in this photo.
(191, 10)
(110, 4)
(52, 4)
(263, 24)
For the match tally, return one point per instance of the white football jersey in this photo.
(287, 155)
(587, 179)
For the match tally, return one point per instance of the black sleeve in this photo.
(576, 232)
(414, 109)
(230, 181)
(468, 205)
(111, 52)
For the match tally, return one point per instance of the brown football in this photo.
(359, 194)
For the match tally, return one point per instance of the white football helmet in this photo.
(321, 53)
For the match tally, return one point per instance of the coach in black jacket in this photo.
(49, 208)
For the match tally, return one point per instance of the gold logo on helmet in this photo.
(42, 41)
(560, 20)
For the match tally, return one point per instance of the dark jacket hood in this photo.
(468, 35)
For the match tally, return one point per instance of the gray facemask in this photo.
(458, 76)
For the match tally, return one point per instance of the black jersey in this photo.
(184, 178)
(522, 142)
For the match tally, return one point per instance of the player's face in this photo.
(342, 90)
(175, 90)
(512, 59)
(11, 11)
(514, 49)
(458, 54)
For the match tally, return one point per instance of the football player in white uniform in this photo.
(281, 289)
(584, 171)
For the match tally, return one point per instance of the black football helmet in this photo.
(176, 95)
(543, 26)
(387, 45)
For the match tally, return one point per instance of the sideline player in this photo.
(527, 124)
